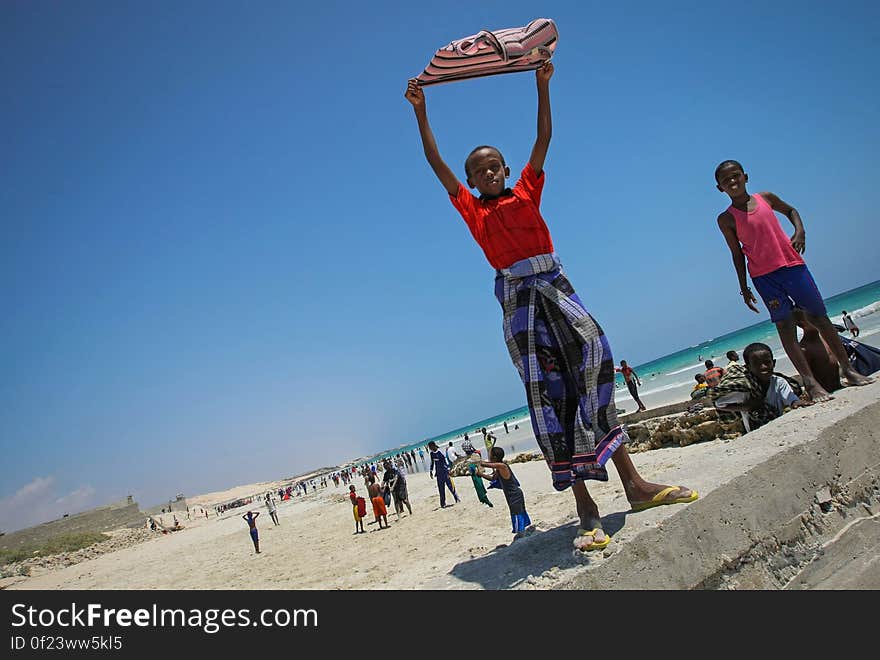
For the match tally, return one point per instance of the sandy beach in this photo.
(466, 546)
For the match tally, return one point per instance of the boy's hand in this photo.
(799, 242)
(414, 93)
(750, 300)
(544, 72)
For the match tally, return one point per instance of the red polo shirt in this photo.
(509, 227)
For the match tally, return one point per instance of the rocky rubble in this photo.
(683, 429)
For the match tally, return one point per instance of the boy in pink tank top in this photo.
(752, 231)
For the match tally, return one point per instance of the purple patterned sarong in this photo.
(565, 363)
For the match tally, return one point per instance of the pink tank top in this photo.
(766, 245)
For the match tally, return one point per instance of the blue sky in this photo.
(225, 259)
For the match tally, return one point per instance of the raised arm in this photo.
(799, 238)
(500, 468)
(545, 124)
(416, 95)
(727, 225)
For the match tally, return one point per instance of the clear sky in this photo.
(225, 259)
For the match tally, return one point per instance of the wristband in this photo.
(742, 293)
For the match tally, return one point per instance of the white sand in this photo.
(459, 547)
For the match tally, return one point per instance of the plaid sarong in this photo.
(565, 363)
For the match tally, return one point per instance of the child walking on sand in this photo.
(251, 519)
(440, 468)
(778, 271)
(380, 511)
(356, 507)
(633, 382)
(473, 460)
(560, 352)
(516, 500)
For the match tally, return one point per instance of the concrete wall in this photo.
(178, 506)
(171, 506)
(102, 519)
(806, 517)
(670, 409)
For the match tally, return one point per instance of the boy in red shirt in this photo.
(356, 508)
(561, 353)
(633, 382)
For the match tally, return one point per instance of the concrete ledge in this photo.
(660, 411)
(804, 513)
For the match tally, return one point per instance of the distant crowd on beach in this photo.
(385, 483)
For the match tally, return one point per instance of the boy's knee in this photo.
(818, 320)
(786, 325)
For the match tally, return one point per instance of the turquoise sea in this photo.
(669, 379)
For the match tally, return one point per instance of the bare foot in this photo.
(856, 379)
(816, 392)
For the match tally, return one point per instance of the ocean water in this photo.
(670, 379)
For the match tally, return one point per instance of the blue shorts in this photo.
(786, 288)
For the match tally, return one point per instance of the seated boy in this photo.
(767, 394)
(701, 388)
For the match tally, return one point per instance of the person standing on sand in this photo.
(554, 343)
(452, 454)
(395, 482)
(473, 460)
(489, 440)
(380, 512)
(441, 469)
(632, 381)
(355, 507)
(273, 509)
(516, 500)
(849, 324)
(251, 519)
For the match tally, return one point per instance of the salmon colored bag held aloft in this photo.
(490, 53)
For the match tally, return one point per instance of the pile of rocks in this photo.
(683, 429)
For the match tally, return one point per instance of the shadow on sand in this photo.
(531, 555)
